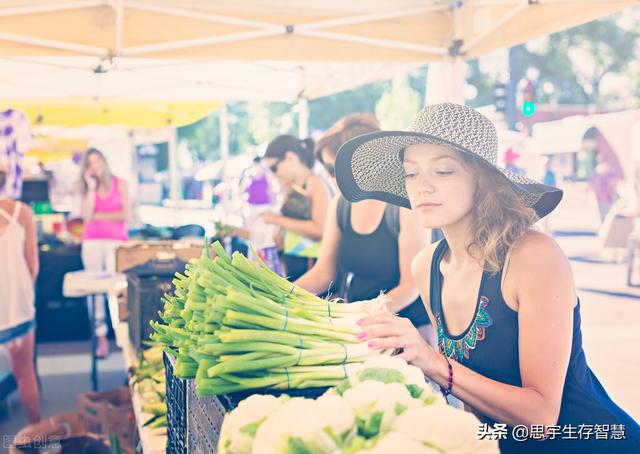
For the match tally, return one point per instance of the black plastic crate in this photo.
(206, 414)
(204, 421)
(176, 409)
(144, 301)
(146, 284)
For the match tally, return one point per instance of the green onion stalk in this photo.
(233, 324)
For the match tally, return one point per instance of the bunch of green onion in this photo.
(234, 325)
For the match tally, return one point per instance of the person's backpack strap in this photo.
(392, 218)
(343, 213)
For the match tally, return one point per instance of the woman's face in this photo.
(329, 162)
(96, 165)
(285, 169)
(439, 186)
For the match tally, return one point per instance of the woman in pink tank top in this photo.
(105, 212)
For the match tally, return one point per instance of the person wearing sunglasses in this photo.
(307, 198)
(367, 246)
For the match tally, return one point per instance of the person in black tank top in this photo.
(302, 215)
(501, 296)
(356, 265)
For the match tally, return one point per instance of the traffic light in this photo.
(529, 99)
(500, 96)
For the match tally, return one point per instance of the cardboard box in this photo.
(109, 412)
(65, 434)
(123, 309)
(133, 253)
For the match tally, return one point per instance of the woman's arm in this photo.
(31, 241)
(412, 238)
(88, 206)
(545, 300)
(124, 213)
(314, 227)
(319, 277)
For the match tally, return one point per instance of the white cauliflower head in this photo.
(377, 405)
(317, 426)
(391, 369)
(445, 428)
(241, 425)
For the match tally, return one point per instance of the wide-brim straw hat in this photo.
(370, 167)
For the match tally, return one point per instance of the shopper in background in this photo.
(303, 213)
(367, 246)
(19, 269)
(105, 212)
(604, 182)
(257, 190)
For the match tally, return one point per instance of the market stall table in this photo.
(59, 318)
(89, 284)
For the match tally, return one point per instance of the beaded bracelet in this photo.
(447, 391)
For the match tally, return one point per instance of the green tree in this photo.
(203, 137)
(576, 61)
(241, 138)
(396, 108)
(268, 120)
(483, 82)
(325, 111)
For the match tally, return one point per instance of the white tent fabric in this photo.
(200, 49)
(184, 80)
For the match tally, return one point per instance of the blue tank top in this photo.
(489, 346)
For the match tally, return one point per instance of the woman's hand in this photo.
(387, 331)
(91, 181)
(269, 217)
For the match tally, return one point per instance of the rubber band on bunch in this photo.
(286, 371)
(299, 351)
(329, 311)
(286, 312)
(346, 354)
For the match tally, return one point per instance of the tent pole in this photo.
(446, 78)
(174, 177)
(224, 151)
(445, 81)
(303, 117)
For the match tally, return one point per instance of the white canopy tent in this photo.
(288, 42)
(259, 49)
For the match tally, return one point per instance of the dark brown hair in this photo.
(279, 146)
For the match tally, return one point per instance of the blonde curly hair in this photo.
(499, 217)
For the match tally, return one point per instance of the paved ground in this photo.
(64, 372)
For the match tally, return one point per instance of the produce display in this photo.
(234, 325)
(150, 380)
(385, 406)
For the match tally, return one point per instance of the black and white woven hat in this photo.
(369, 166)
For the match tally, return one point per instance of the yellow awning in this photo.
(51, 149)
(133, 114)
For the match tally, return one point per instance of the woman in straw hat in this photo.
(501, 296)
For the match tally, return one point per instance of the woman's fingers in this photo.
(388, 342)
(377, 319)
(381, 330)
